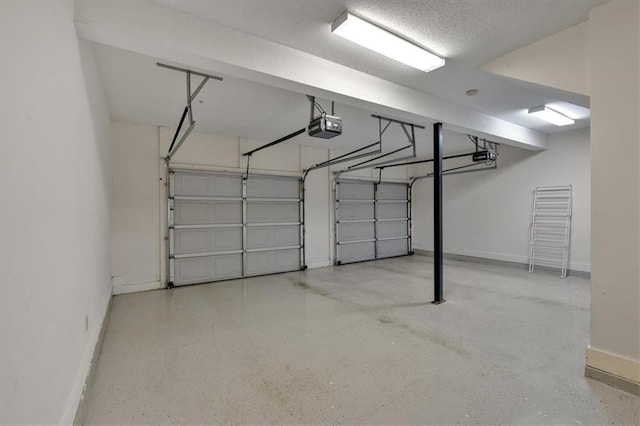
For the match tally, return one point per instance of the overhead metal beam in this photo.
(393, 120)
(171, 67)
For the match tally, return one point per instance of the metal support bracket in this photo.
(409, 130)
(188, 110)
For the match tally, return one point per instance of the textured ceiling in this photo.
(467, 33)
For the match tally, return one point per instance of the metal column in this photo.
(438, 294)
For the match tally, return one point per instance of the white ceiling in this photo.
(467, 32)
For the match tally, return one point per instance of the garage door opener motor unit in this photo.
(488, 155)
(324, 126)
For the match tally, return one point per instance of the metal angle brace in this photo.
(476, 141)
(409, 130)
(188, 110)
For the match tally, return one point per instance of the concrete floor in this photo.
(356, 344)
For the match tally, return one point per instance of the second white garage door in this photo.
(372, 220)
(223, 226)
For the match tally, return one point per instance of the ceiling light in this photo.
(551, 116)
(382, 41)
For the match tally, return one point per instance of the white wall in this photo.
(54, 168)
(560, 60)
(135, 215)
(488, 214)
(138, 193)
(615, 103)
(611, 70)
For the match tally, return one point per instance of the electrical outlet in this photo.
(86, 323)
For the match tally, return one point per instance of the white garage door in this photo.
(222, 226)
(372, 220)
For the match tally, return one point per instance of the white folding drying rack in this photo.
(551, 228)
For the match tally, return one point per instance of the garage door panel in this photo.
(355, 190)
(272, 187)
(356, 231)
(389, 248)
(208, 268)
(392, 229)
(266, 205)
(356, 252)
(272, 212)
(188, 241)
(268, 262)
(207, 212)
(207, 185)
(355, 211)
(273, 236)
(392, 210)
(391, 191)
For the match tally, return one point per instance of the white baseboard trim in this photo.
(77, 389)
(507, 257)
(502, 260)
(616, 365)
(122, 288)
(318, 264)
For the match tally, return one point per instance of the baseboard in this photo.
(614, 370)
(319, 264)
(514, 262)
(91, 350)
(80, 413)
(122, 288)
(612, 380)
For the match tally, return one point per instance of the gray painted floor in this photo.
(356, 344)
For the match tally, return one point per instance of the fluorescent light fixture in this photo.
(551, 116)
(382, 41)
